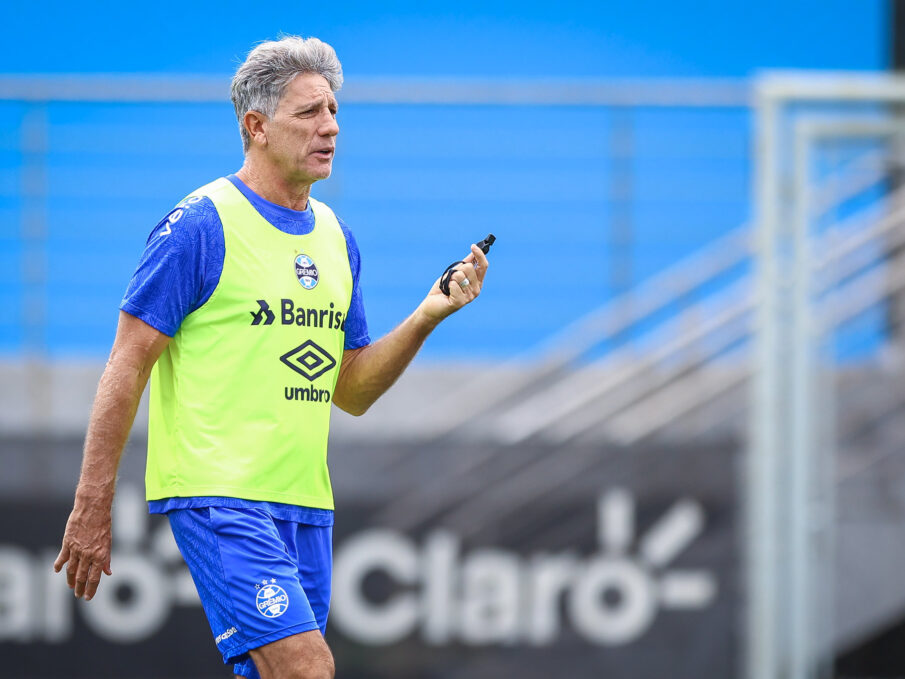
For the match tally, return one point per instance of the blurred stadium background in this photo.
(666, 442)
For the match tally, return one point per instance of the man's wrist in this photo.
(98, 495)
(424, 322)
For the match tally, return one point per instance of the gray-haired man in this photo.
(246, 311)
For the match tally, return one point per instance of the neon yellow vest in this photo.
(240, 398)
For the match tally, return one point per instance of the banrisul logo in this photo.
(306, 272)
(262, 314)
(290, 314)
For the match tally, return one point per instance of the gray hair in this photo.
(261, 81)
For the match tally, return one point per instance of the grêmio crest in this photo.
(306, 272)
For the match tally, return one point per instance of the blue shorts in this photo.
(260, 579)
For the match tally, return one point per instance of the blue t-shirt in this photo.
(177, 273)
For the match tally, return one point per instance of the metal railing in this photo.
(504, 394)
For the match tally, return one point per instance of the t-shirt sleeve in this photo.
(179, 268)
(356, 322)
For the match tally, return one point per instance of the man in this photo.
(246, 312)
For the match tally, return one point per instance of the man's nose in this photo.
(329, 128)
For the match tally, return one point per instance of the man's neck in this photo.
(271, 186)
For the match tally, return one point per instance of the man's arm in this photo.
(366, 373)
(88, 536)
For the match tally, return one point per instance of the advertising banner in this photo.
(621, 574)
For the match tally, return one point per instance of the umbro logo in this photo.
(309, 360)
(263, 313)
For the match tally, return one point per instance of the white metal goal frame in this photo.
(790, 487)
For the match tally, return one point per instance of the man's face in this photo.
(301, 135)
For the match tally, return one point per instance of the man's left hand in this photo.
(464, 287)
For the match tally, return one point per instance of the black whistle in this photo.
(486, 243)
(445, 279)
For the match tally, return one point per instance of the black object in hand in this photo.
(445, 279)
(485, 244)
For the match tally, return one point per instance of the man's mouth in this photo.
(324, 153)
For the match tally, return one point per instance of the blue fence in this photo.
(585, 201)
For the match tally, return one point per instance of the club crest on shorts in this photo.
(306, 271)
(272, 600)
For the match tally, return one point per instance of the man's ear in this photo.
(254, 125)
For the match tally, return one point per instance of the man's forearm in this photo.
(87, 542)
(115, 404)
(368, 372)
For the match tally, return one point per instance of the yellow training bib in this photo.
(240, 399)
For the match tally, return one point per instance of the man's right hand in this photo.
(86, 546)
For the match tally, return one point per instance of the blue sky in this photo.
(469, 38)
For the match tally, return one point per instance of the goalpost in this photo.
(790, 480)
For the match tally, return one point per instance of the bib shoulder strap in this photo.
(323, 214)
(211, 190)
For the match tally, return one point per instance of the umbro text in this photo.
(306, 394)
